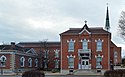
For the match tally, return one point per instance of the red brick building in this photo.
(15, 59)
(88, 48)
(48, 52)
(79, 48)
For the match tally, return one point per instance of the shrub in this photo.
(55, 70)
(33, 73)
(115, 73)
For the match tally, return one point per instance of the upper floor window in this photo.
(22, 61)
(85, 44)
(30, 62)
(99, 45)
(56, 53)
(36, 62)
(71, 46)
(3, 60)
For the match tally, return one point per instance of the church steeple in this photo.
(107, 24)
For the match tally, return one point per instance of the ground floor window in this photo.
(3, 60)
(71, 62)
(30, 62)
(98, 62)
(36, 62)
(22, 60)
(56, 63)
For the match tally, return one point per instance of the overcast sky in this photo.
(36, 20)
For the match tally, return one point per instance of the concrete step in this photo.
(78, 72)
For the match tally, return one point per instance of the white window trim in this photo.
(68, 41)
(36, 62)
(68, 60)
(115, 54)
(56, 52)
(22, 61)
(86, 41)
(101, 61)
(4, 61)
(57, 66)
(96, 45)
(30, 62)
(85, 30)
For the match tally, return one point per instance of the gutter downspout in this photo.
(61, 51)
(108, 50)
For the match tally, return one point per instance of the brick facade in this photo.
(12, 54)
(92, 36)
(84, 55)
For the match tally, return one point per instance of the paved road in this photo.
(58, 76)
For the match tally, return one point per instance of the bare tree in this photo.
(122, 25)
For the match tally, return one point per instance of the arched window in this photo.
(3, 60)
(30, 62)
(71, 46)
(22, 61)
(115, 54)
(85, 44)
(115, 57)
(36, 62)
(56, 63)
(99, 61)
(99, 45)
(70, 61)
(56, 53)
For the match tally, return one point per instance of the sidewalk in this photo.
(58, 73)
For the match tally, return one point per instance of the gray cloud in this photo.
(35, 20)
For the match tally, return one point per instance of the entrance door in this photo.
(85, 64)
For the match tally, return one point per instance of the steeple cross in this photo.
(107, 4)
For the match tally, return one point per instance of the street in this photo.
(60, 76)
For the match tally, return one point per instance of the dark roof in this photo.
(38, 44)
(95, 30)
(10, 48)
(112, 44)
(85, 27)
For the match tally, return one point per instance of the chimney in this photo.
(12, 45)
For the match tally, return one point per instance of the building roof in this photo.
(13, 48)
(39, 44)
(95, 30)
